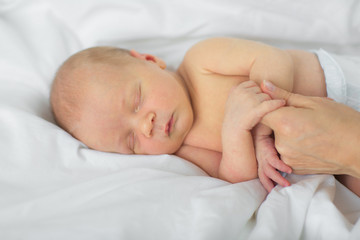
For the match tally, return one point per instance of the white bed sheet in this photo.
(53, 187)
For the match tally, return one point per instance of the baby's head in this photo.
(121, 101)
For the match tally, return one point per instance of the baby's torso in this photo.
(208, 106)
(209, 93)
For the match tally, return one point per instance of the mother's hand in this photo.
(315, 135)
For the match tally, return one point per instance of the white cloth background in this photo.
(53, 187)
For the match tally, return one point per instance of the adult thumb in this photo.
(292, 99)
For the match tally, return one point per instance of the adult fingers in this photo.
(292, 99)
(269, 106)
(264, 112)
(263, 109)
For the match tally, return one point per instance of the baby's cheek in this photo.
(154, 147)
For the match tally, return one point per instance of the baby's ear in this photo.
(148, 57)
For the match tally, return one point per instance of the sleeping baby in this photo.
(206, 111)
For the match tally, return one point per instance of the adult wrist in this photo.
(352, 148)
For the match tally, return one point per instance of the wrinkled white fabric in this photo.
(53, 187)
(342, 77)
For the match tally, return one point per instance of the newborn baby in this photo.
(122, 101)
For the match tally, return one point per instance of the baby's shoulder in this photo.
(194, 61)
(205, 55)
(201, 51)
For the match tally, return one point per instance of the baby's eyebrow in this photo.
(129, 98)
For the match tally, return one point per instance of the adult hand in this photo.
(315, 135)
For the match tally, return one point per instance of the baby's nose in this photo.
(147, 124)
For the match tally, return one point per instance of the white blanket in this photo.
(53, 187)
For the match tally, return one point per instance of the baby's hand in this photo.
(246, 105)
(268, 159)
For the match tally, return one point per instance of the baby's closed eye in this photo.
(138, 99)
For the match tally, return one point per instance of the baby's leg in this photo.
(350, 182)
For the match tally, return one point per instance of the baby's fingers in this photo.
(279, 164)
(261, 110)
(275, 176)
(266, 181)
(268, 106)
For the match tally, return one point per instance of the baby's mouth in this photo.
(169, 125)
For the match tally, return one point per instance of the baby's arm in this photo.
(239, 57)
(257, 61)
(245, 106)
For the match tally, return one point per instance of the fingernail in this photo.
(269, 86)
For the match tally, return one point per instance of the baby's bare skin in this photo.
(143, 108)
(209, 90)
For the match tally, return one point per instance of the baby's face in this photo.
(143, 110)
